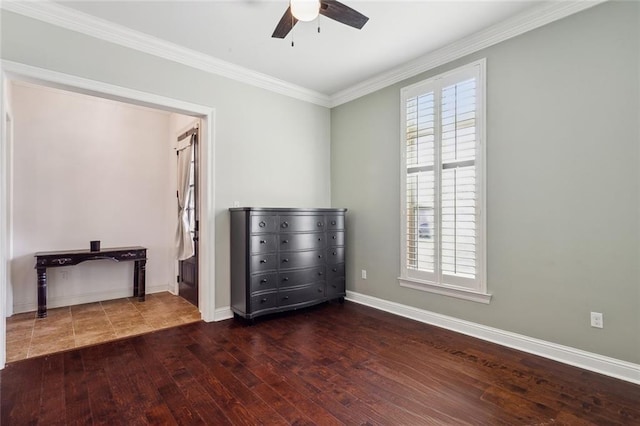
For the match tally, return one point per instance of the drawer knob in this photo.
(262, 224)
(263, 241)
(319, 239)
(334, 253)
(262, 281)
(285, 241)
(334, 286)
(335, 269)
(263, 260)
(285, 298)
(264, 300)
(320, 273)
(320, 224)
(319, 290)
(333, 222)
(319, 256)
(285, 260)
(285, 224)
(285, 279)
(334, 237)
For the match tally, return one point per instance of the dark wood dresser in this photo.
(284, 259)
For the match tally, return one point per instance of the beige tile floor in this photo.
(81, 325)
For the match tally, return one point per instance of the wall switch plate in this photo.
(596, 320)
(364, 274)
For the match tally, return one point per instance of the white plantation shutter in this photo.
(442, 183)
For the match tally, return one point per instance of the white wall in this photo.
(86, 169)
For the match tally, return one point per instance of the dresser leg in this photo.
(42, 292)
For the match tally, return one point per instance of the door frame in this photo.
(206, 270)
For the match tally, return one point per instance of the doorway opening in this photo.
(18, 72)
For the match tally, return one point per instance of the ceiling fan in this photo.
(308, 10)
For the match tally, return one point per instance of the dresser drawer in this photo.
(335, 222)
(264, 282)
(301, 223)
(264, 262)
(335, 255)
(335, 271)
(264, 223)
(264, 301)
(301, 295)
(300, 277)
(264, 243)
(301, 241)
(335, 238)
(301, 259)
(336, 288)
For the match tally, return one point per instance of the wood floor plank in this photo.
(21, 393)
(190, 386)
(179, 406)
(130, 392)
(95, 360)
(329, 365)
(76, 395)
(239, 391)
(52, 402)
(285, 409)
(230, 356)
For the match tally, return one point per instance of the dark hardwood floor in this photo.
(329, 365)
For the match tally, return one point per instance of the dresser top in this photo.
(285, 209)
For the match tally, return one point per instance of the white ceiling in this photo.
(239, 32)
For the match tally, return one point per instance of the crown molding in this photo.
(529, 20)
(61, 16)
(71, 19)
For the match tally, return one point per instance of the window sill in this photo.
(456, 292)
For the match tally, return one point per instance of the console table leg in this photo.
(42, 292)
(136, 278)
(142, 268)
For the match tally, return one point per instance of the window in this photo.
(443, 223)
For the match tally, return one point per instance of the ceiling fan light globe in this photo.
(305, 10)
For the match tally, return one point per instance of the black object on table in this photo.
(54, 259)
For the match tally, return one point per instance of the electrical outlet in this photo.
(364, 274)
(64, 274)
(236, 204)
(596, 320)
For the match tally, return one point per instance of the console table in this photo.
(54, 259)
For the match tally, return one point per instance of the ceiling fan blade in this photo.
(285, 25)
(339, 12)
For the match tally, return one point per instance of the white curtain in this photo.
(184, 242)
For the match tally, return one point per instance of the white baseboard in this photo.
(221, 314)
(612, 367)
(78, 299)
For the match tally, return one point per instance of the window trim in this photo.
(479, 292)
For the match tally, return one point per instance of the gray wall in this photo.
(563, 185)
(270, 150)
